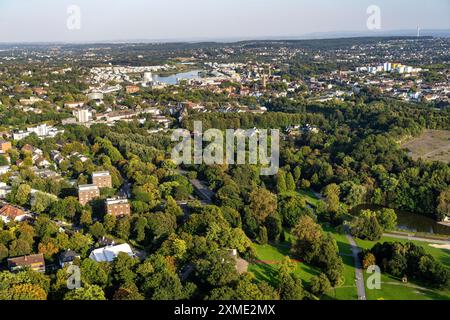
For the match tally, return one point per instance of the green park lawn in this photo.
(441, 255)
(309, 196)
(394, 289)
(270, 255)
(348, 289)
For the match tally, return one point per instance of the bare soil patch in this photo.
(432, 145)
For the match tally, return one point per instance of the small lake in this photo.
(412, 222)
(175, 78)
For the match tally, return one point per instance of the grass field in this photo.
(441, 255)
(270, 255)
(430, 145)
(348, 290)
(310, 197)
(394, 289)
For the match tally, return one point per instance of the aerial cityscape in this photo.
(278, 168)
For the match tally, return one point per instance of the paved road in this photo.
(125, 189)
(202, 190)
(414, 238)
(317, 194)
(186, 271)
(360, 287)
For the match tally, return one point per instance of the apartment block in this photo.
(87, 192)
(118, 207)
(102, 179)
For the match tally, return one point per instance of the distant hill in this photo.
(443, 33)
(390, 33)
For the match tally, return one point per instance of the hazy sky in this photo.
(46, 20)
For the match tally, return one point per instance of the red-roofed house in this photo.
(10, 213)
(34, 262)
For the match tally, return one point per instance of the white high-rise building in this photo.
(148, 77)
(372, 69)
(41, 131)
(408, 69)
(387, 67)
(401, 69)
(83, 115)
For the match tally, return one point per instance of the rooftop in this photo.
(26, 260)
(11, 212)
(68, 256)
(100, 174)
(109, 253)
(116, 201)
(87, 187)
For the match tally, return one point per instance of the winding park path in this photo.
(414, 238)
(360, 287)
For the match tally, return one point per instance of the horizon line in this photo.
(327, 35)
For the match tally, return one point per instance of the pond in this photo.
(175, 78)
(412, 222)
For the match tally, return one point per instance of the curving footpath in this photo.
(360, 286)
(414, 238)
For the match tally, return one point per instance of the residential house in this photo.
(39, 91)
(109, 253)
(132, 89)
(5, 146)
(73, 105)
(68, 257)
(41, 162)
(29, 102)
(4, 169)
(4, 190)
(34, 262)
(10, 213)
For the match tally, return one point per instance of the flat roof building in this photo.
(102, 179)
(109, 253)
(87, 192)
(118, 207)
